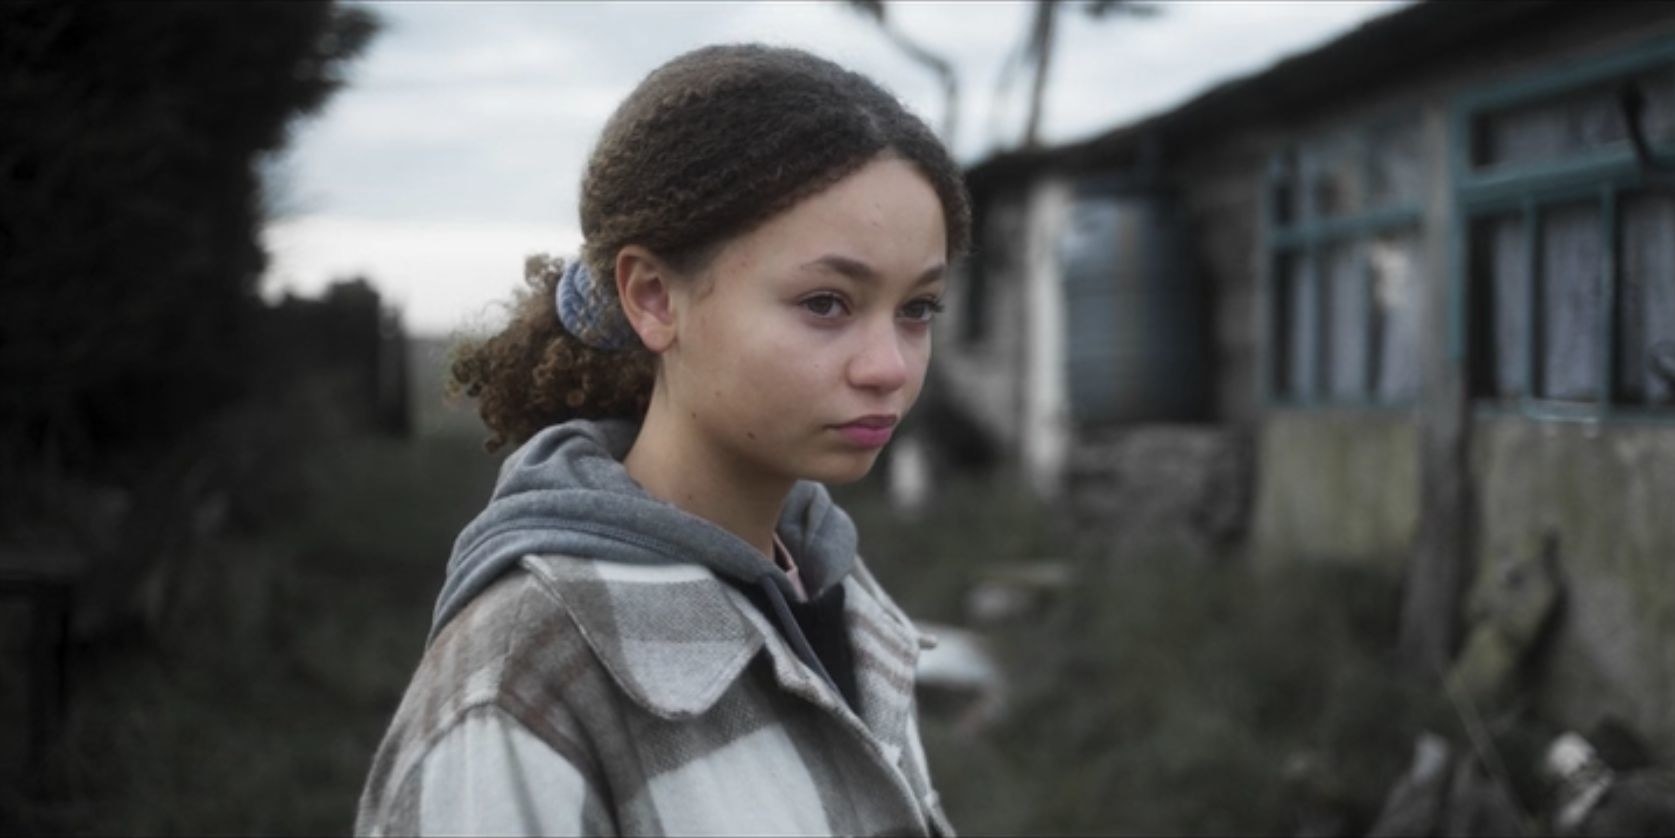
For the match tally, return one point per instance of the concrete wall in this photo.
(1608, 493)
(1337, 485)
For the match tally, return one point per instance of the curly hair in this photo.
(707, 147)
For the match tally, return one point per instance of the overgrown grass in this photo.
(1162, 694)
(1193, 700)
(928, 561)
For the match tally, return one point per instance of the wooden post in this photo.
(1439, 569)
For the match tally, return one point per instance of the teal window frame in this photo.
(1603, 175)
(1305, 235)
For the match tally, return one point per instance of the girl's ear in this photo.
(646, 288)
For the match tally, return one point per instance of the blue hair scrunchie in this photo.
(587, 311)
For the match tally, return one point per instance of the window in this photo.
(1569, 236)
(1343, 249)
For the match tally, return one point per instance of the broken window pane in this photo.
(1346, 325)
(1571, 260)
(1501, 271)
(1646, 301)
(1530, 134)
(1394, 165)
(1331, 174)
(1580, 122)
(1393, 262)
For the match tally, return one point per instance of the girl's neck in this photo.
(675, 462)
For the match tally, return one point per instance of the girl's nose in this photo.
(880, 364)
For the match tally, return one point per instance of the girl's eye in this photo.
(922, 311)
(824, 305)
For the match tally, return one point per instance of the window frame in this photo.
(1308, 236)
(1603, 175)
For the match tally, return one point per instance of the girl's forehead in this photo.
(884, 217)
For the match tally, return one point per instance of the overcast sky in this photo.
(459, 145)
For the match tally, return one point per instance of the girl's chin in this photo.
(840, 471)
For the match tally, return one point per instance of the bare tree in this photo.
(1035, 50)
(1038, 49)
(950, 80)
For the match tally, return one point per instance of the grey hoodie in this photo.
(565, 491)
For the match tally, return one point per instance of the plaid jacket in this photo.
(581, 696)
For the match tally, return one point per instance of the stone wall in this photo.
(1607, 493)
(1340, 485)
(1220, 186)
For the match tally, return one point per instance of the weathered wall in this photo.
(983, 376)
(1339, 485)
(1345, 484)
(1608, 493)
(1012, 379)
(1220, 186)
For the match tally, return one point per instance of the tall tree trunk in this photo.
(944, 72)
(1041, 48)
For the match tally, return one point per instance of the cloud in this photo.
(461, 142)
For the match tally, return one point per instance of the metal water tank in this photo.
(1136, 318)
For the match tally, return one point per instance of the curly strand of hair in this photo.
(533, 373)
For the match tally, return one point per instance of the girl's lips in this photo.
(864, 436)
(871, 432)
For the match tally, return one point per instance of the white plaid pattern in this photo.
(591, 697)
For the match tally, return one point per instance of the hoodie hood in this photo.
(565, 491)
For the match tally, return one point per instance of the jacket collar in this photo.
(674, 638)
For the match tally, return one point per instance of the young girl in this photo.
(659, 624)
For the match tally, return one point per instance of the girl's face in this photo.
(808, 338)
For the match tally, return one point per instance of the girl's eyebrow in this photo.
(862, 272)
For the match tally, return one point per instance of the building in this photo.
(1424, 274)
